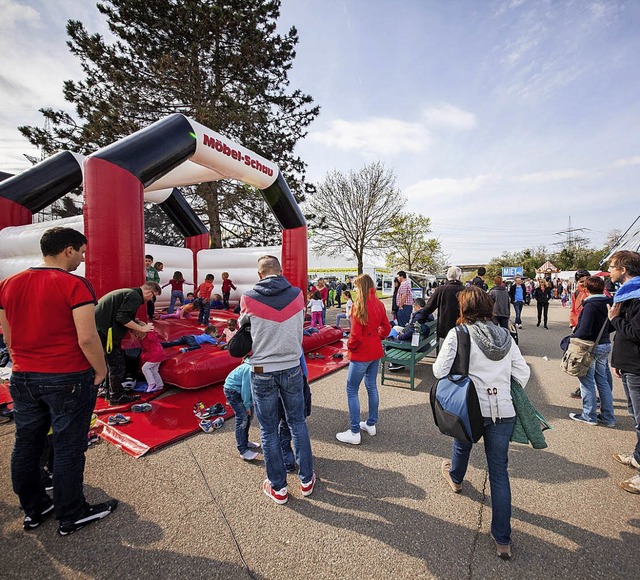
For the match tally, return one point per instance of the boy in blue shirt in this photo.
(194, 341)
(237, 390)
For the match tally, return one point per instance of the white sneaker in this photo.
(253, 445)
(349, 437)
(627, 460)
(249, 455)
(371, 429)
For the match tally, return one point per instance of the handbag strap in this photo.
(460, 364)
(597, 342)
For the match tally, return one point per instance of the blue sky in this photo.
(500, 119)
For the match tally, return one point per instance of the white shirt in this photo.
(486, 373)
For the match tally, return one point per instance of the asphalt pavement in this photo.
(379, 510)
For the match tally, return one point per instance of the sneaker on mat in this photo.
(48, 482)
(33, 521)
(307, 488)
(118, 419)
(93, 513)
(371, 429)
(103, 393)
(249, 455)
(253, 445)
(628, 460)
(349, 436)
(578, 417)
(141, 407)
(122, 398)
(154, 388)
(280, 496)
(631, 485)
(576, 394)
(445, 468)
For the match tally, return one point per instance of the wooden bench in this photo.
(402, 353)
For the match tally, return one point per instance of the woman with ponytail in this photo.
(369, 325)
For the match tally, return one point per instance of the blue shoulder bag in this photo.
(454, 401)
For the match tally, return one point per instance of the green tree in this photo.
(353, 211)
(219, 62)
(529, 259)
(409, 246)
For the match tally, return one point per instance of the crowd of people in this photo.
(272, 382)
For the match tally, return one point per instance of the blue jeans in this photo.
(188, 340)
(597, 377)
(517, 307)
(268, 389)
(205, 309)
(358, 371)
(404, 315)
(496, 446)
(175, 294)
(343, 316)
(65, 403)
(324, 316)
(631, 386)
(243, 421)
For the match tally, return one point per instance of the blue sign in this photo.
(512, 271)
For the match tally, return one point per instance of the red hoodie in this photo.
(365, 341)
(152, 350)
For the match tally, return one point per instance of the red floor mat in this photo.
(102, 405)
(5, 396)
(170, 420)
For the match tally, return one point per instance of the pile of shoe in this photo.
(204, 414)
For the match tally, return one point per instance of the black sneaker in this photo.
(122, 399)
(32, 522)
(92, 514)
(576, 394)
(48, 482)
(396, 368)
(103, 393)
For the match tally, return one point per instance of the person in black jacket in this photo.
(479, 279)
(542, 295)
(624, 267)
(445, 300)
(593, 319)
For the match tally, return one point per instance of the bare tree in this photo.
(354, 211)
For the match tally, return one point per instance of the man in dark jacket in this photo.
(445, 300)
(501, 302)
(625, 318)
(116, 312)
(479, 279)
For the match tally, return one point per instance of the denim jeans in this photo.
(343, 316)
(496, 447)
(65, 403)
(517, 307)
(631, 386)
(404, 315)
(188, 340)
(324, 316)
(358, 371)
(268, 389)
(205, 309)
(597, 377)
(243, 421)
(175, 294)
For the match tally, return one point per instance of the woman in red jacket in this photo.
(369, 325)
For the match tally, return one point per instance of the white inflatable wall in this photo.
(241, 263)
(20, 249)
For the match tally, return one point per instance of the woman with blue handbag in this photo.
(493, 359)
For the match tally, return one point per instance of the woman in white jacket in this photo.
(494, 358)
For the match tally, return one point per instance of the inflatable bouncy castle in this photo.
(149, 166)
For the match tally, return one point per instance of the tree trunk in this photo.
(360, 264)
(209, 192)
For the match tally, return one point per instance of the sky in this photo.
(502, 120)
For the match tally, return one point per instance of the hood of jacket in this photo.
(598, 298)
(494, 341)
(272, 286)
(500, 289)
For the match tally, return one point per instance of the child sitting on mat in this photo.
(237, 390)
(195, 341)
(216, 302)
(229, 332)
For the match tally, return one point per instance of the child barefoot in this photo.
(237, 390)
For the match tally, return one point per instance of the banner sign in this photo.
(512, 271)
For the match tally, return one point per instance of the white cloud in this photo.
(379, 136)
(554, 175)
(428, 188)
(626, 162)
(14, 13)
(391, 137)
(447, 115)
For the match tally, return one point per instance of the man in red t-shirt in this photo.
(47, 315)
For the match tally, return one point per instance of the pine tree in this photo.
(219, 62)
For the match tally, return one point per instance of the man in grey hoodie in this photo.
(275, 310)
(501, 302)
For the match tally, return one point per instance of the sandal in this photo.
(311, 356)
(337, 355)
(319, 356)
(218, 409)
